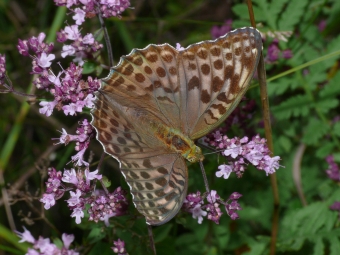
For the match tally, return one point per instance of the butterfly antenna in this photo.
(152, 242)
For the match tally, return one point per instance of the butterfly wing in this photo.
(156, 176)
(213, 76)
(147, 79)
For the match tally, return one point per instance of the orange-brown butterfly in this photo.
(158, 100)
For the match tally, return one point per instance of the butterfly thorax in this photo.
(177, 141)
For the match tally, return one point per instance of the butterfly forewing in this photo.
(158, 89)
(214, 77)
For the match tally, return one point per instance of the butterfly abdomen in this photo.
(178, 142)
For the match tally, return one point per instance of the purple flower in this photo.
(48, 200)
(75, 198)
(225, 170)
(335, 206)
(47, 107)
(287, 54)
(78, 214)
(45, 60)
(92, 175)
(198, 213)
(68, 50)
(217, 31)
(78, 158)
(26, 236)
(322, 25)
(273, 51)
(333, 169)
(179, 47)
(79, 16)
(72, 32)
(119, 247)
(70, 176)
(67, 240)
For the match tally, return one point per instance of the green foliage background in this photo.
(304, 102)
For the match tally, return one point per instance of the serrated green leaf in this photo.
(240, 10)
(334, 245)
(336, 129)
(318, 247)
(296, 106)
(325, 105)
(314, 131)
(292, 15)
(325, 150)
(332, 88)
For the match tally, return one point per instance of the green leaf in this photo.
(331, 89)
(314, 131)
(325, 150)
(96, 234)
(325, 105)
(334, 245)
(162, 232)
(319, 247)
(292, 15)
(296, 106)
(336, 129)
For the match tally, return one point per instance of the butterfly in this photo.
(158, 100)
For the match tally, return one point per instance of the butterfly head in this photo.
(195, 154)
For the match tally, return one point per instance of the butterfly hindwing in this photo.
(157, 177)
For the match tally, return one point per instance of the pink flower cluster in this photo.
(274, 52)
(84, 133)
(70, 92)
(333, 170)
(105, 206)
(194, 204)
(88, 8)
(43, 246)
(102, 206)
(240, 151)
(41, 60)
(119, 247)
(81, 47)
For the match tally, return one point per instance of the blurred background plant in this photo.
(301, 50)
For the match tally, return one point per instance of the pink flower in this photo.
(26, 236)
(213, 196)
(72, 108)
(92, 175)
(88, 39)
(79, 158)
(78, 214)
(68, 50)
(72, 32)
(75, 198)
(79, 16)
(198, 213)
(47, 107)
(225, 170)
(45, 60)
(179, 47)
(70, 176)
(88, 101)
(48, 200)
(67, 240)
